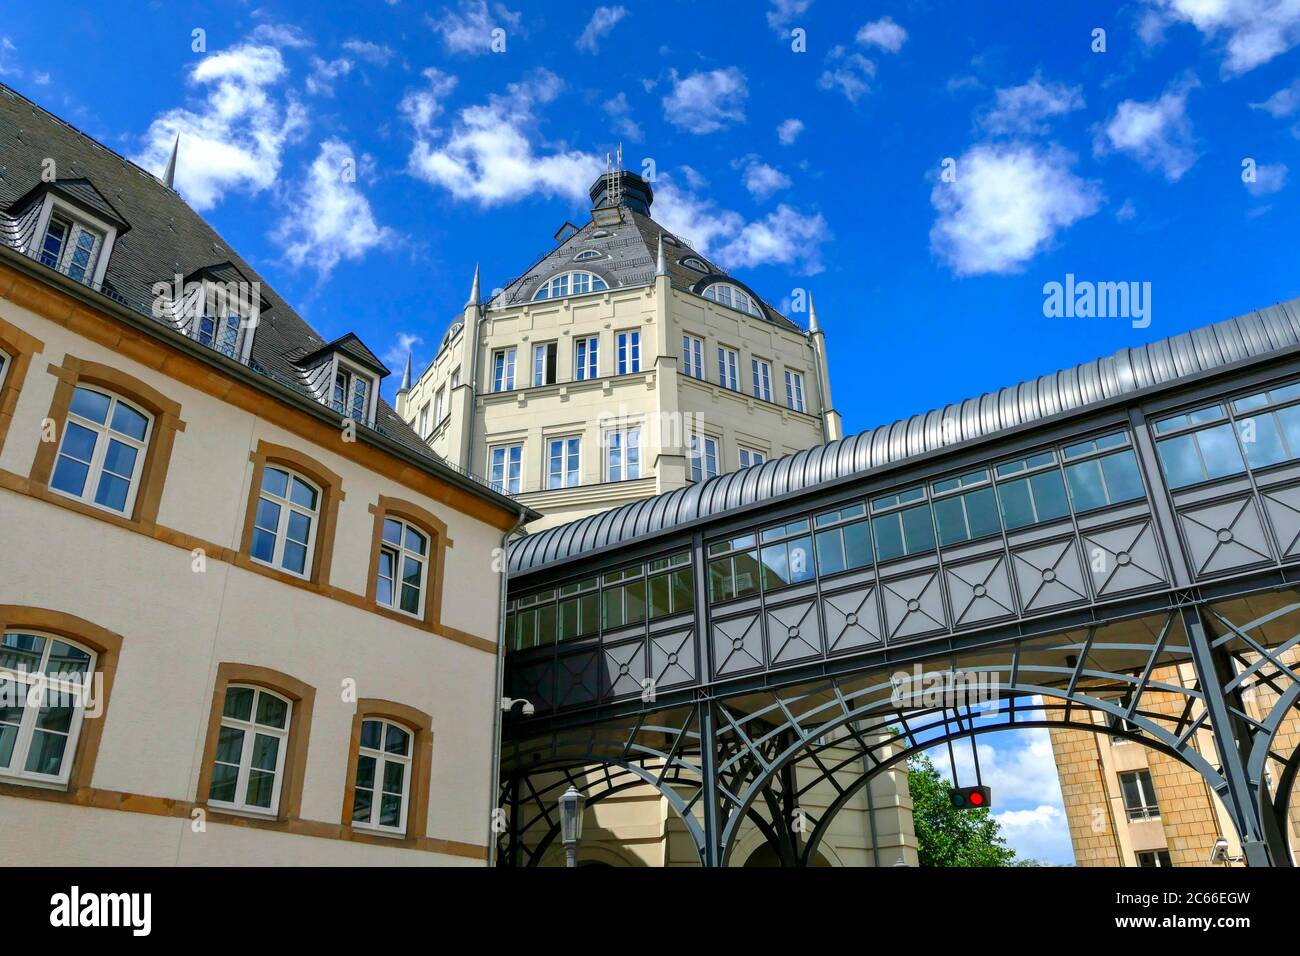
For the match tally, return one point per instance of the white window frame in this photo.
(627, 351)
(107, 236)
(586, 358)
(286, 505)
(570, 461)
(692, 355)
(794, 399)
(622, 440)
(353, 376)
(541, 351)
(503, 370)
(401, 554)
(25, 681)
(574, 282)
(424, 421)
(440, 405)
(6, 360)
(750, 457)
(251, 729)
(382, 756)
(762, 374)
(103, 435)
(728, 368)
(511, 458)
(732, 296)
(702, 448)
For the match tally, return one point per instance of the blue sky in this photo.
(800, 143)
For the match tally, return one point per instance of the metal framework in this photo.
(1069, 622)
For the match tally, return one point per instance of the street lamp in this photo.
(571, 804)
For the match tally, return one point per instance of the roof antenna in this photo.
(169, 177)
(614, 194)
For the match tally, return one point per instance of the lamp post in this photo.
(571, 804)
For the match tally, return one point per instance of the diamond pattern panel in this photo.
(913, 605)
(980, 591)
(577, 679)
(624, 669)
(672, 658)
(737, 644)
(852, 619)
(1225, 536)
(1049, 575)
(1283, 507)
(1123, 559)
(793, 632)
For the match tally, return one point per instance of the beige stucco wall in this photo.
(179, 624)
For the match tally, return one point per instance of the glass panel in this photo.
(397, 741)
(747, 573)
(230, 745)
(857, 544)
(45, 755)
(660, 600)
(951, 518)
(129, 422)
(918, 530)
(224, 778)
(119, 458)
(392, 531)
(635, 602)
(260, 785)
(390, 809)
(1290, 419)
(70, 476)
(1220, 451)
(298, 527)
(239, 703)
(415, 541)
(801, 559)
(303, 494)
(1262, 441)
(371, 732)
(1182, 463)
(271, 710)
(295, 557)
(546, 625)
(1086, 488)
(776, 570)
(1017, 508)
(67, 660)
(90, 405)
(982, 513)
(1123, 480)
(266, 748)
(112, 492)
(613, 607)
(889, 537)
(830, 551)
(589, 614)
(683, 592)
(275, 481)
(22, 652)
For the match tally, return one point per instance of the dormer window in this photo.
(71, 248)
(587, 254)
(724, 293)
(216, 306)
(698, 265)
(571, 283)
(352, 393)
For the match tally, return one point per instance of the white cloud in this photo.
(1253, 31)
(789, 131)
(320, 82)
(489, 155)
(1268, 179)
(761, 179)
(234, 135)
(784, 237)
(7, 50)
(375, 53)
(328, 218)
(1285, 102)
(601, 22)
(468, 29)
(619, 110)
(850, 73)
(1041, 833)
(782, 12)
(707, 102)
(281, 35)
(1023, 109)
(1006, 204)
(1126, 212)
(883, 33)
(403, 345)
(1156, 133)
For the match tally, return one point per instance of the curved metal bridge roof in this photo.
(1164, 362)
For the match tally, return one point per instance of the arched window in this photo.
(382, 782)
(587, 254)
(102, 450)
(691, 262)
(403, 567)
(724, 293)
(571, 283)
(287, 519)
(248, 763)
(45, 685)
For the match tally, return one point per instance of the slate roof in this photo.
(1251, 336)
(166, 238)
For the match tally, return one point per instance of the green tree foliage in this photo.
(947, 836)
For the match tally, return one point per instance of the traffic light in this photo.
(970, 798)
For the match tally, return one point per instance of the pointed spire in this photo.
(406, 376)
(661, 265)
(475, 298)
(169, 176)
(813, 326)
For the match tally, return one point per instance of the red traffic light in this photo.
(970, 798)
